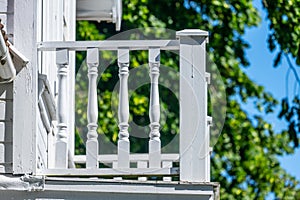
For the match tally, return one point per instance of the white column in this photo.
(123, 111)
(154, 110)
(24, 24)
(61, 152)
(194, 138)
(92, 109)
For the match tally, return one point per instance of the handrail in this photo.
(109, 45)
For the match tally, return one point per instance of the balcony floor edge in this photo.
(94, 188)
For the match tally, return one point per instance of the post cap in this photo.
(192, 32)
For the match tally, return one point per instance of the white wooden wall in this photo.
(6, 98)
(58, 23)
(6, 15)
(26, 23)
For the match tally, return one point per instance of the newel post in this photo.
(194, 135)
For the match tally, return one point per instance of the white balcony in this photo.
(37, 159)
(194, 152)
(152, 175)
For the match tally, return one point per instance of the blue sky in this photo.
(273, 79)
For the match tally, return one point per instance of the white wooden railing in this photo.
(194, 124)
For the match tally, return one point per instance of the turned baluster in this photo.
(92, 109)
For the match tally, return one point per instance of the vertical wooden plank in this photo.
(10, 18)
(69, 34)
(92, 110)
(194, 143)
(123, 110)
(61, 155)
(25, 88)
(58, 23)
(154, 110)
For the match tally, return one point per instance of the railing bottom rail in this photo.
(111, 172)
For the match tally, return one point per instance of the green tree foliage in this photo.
(244, 159)
(284, 39)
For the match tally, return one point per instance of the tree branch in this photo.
(292, 68)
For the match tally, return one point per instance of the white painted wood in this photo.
(102, 189)
(47, 113)
(123, 110)
(3, 17)
(41, 145)
(57, 19)
(61, 157)
(209, 122)
(25, 88)
(167, 164)
(3, 6)
(52, 30)
(114, 163)
(47, 109)
(92, 109)
(51, 145)
(110, 172)
(113, 158)
(10, 20)
(154, 110)
(51, 20)
(6, 131)
(6, 114)
(44, 117)
(69, 34)
(110, 45)
(142, 164)
(194, 140)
